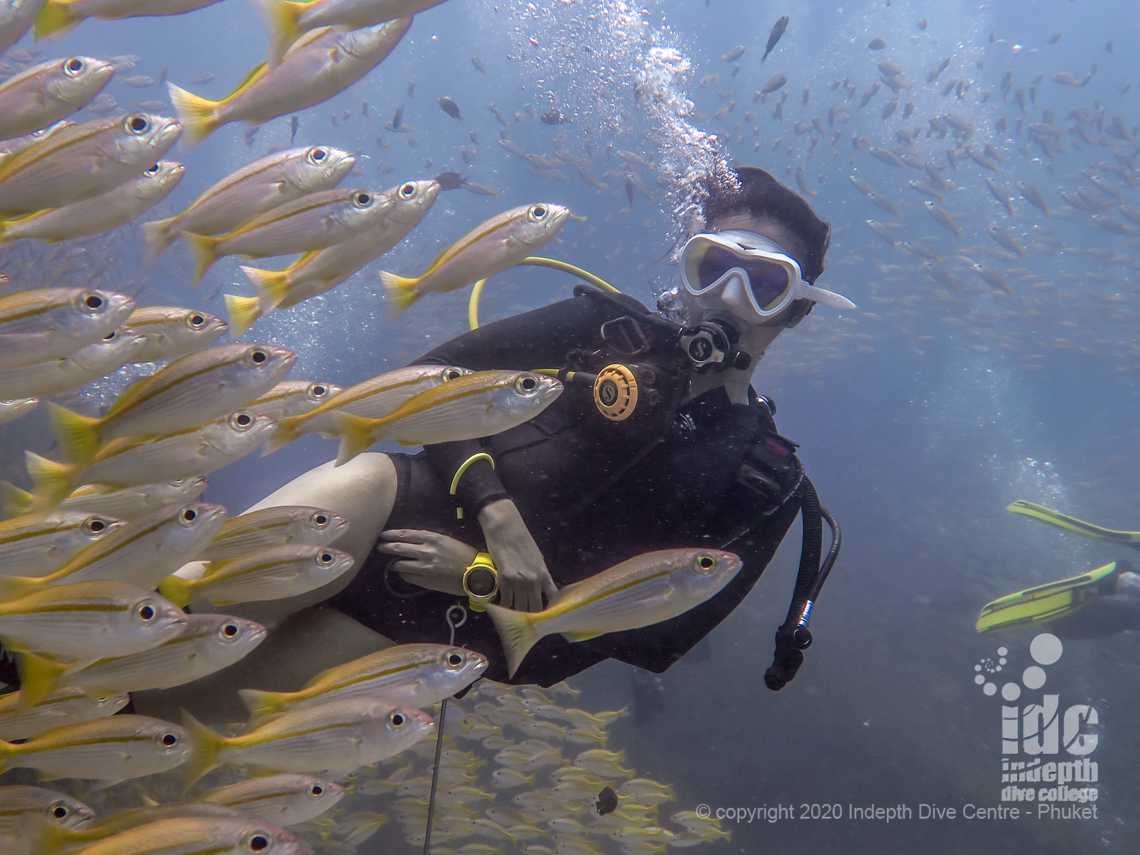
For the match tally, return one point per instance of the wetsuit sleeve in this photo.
(541, 338)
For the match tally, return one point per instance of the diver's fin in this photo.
(517, 631)
(1076, 526)
(1047, 602)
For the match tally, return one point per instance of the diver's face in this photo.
(731, 302)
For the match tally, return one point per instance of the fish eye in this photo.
(146, 612)
(138, 124)
(230, 630)
(321, 520)
(169, 740)
(362, 200)
(526, 384)
(196, 321)
(397, 719)
(316, 790)
(318, 155)
(73, 67)
(258, 357)
(705, 563)
(111, 336)
(451, 374)
(257, 842)
(92, 301)
(241, 421)
(537, 213)
(319, 391)
(178, 482)
(94, 525)
(325, 559)
(188, 515)
(154, 170)
(60, 811)
(407, 190)
(454, 659)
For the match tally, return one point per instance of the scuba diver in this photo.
(658, 441)
(1096, 604)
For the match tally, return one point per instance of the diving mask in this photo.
(764, 271)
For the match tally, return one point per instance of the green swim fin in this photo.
(1076, 526)
(1049, 601)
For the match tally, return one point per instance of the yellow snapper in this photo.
(78, 839)
(126, 503)
(293, 398)
(281, 799)
(12, 410)
(643, 590)
(98, 214)
(472, 406)
(36, 544)
(315, 273)
(374, 398)
(50, 323)
(257, 187)
(282, 525)
(276, 573)
(170, 332)
(21, 720)
(111, 749)
(491, 247)
(318, 66)
(136, 461)
(414, 675)
(83, 160)
(43, 94)
(89, 620)
(333, 738)
(140, 553)
(215, 835)
(90, 363)
(288, 20)
(26, 811)
(58, 16)
(313, 222)
(187, 393)
(16, 18)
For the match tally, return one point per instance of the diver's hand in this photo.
(523, 577)
(427, 558)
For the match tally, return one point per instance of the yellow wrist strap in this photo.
(458, 476)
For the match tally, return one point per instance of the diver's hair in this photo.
(759, 194)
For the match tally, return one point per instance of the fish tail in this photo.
(401, 290)
(517, 631)
(262, 705)
(284, 26)
(355, 437)
(285, 433)
(39, 677)
(198, 115)
(176, 589)
(78, 435)
(205, 746)
(243, 312)
(158, 236)
(15, 587)
(54, 18)
(14, 501)
(52, 480)
(205, 251)
(272, 285)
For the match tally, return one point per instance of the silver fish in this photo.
(46, 93)
(281, 799)
(36, 544)
(88, 364)
(24, 811)
(49, 323)
(283, 525)
(292, 398)
(126, 503)
(16, 18)
(20, 720)
(169, 332)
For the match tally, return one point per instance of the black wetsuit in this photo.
(592, 491)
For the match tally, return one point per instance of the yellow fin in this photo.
(284, 20)
(204, 249)
(243, 312)
(262, 705)
(517, 632)
(78, 435)
(15, 587)
(176, 589)
(199, 116)
(355, 437)
(401, 290)
(272, 285)
(54, 18)
(52, 480)
(285, 433)
(158, 236)
(14, 501)
(38, 678)
(205, 745)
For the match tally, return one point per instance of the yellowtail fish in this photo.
(141, 460)
(316, 273)
(90, 363)
(281, 799)
(88, 621)
(141, 553)
(16, 18)
(58, 16)
(36, 544)
(207, 644)
(12, 410)
(20, 719)
(187, 393)
(261, 186)
(292, 398)
(643, 590)
(78, 839)
(276, 573)
(111, 749)
(333, 738)
(215, 835)
(50, 323)
(283, 525)
(99, 214)
(170, 332)
(83, 160)
(43, 94)
(26, 811)
(310, 223)
(318, 66)
(372, 399)
(289, 20)
(475, 405)
(413, 675)
(127, 503)
(490, 248)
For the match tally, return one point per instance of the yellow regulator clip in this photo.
(615, 392)
(480, 582)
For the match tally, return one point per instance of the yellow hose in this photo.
(535, 261)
